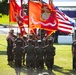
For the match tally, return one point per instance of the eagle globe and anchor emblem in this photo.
(46, 13)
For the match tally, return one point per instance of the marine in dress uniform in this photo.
(49, 55)
(30, 57)
(39, 57)
(18, 56)
(10, 39)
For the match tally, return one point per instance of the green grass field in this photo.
(62, 65)
(4, 19)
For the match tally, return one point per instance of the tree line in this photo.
(4, 7)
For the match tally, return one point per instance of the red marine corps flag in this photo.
(16, 15)
(42, 16)
(48, 18)
(14, 8)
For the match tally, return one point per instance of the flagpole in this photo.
(9, 14)
(74, 35)
(28, 18)
(40, 29)
(21, 13)
(50, 1)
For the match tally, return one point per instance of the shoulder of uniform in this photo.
(26, 46)
(54, 48)
(74, 41)
(22, 47)
(15, 39)
(14, 47)
(45, 46)
(33, 45)
(36, 47)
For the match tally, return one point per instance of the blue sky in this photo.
(54, 0)
(64, 0)
(57, 0)
(61, 0)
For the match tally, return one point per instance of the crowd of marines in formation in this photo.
(34, 53)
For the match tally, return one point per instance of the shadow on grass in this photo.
(25, 71)
(61, 70)
(3, 53)
(55, 69)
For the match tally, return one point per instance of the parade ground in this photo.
(62, 61)
(52, 24)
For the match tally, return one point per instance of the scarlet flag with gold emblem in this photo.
(42, 16)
